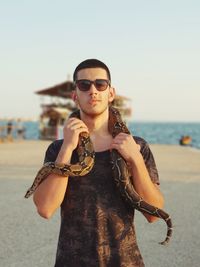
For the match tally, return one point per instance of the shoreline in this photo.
(8, 140)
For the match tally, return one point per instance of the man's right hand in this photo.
(72, 128)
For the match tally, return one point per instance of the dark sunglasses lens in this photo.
(84, 85)
(101, 85)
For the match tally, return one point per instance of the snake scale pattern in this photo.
(121, 174)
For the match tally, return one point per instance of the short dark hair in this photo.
(91, 63)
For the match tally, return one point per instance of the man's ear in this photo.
(74, 96)
(111, 94)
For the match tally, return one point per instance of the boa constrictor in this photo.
(120, 170)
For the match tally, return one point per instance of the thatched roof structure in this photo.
(60, 90)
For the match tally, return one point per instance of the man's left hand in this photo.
(126, 146)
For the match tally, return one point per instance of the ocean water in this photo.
(166, 133)
(152, 132)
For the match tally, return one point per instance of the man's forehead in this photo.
(92, 72)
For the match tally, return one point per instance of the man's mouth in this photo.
(94, 101)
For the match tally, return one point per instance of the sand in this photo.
(28, 240)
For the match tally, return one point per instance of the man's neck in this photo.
(98, 128)
(97, 125)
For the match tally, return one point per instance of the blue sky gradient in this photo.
(151, 47)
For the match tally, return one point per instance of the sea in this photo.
(152, 132)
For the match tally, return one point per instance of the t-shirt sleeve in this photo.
(149, 160)
(52, 152)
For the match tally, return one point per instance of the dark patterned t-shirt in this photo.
(96, 224)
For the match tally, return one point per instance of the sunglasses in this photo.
(100, 84)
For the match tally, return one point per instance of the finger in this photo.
(122, 135)
(115, 146)
(121, 139)
(72, 121)
(76, 124)
(78, 127)
(117, 141)
(82, 130)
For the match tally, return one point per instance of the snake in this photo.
(120, 170)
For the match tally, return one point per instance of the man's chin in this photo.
(93, 111)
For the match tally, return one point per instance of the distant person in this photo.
(20, 129)
(96, 225)
(1, 133)
(10, 130)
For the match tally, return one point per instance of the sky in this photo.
(152, 49)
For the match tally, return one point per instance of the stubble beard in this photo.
(93, 113)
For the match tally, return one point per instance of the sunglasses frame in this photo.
(90, 83)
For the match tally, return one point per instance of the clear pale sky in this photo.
(151, 47)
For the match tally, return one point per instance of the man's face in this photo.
(93, 102)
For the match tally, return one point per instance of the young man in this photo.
(96, 224)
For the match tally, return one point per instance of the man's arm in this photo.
(142, 182)
(50, 193)
(144, 186)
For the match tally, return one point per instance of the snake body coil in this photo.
(122, 178)
(120, 170)
(86, 156)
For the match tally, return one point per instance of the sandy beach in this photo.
(28, 240)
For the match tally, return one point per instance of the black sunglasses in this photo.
(100, 84)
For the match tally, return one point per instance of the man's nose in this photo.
(93, 89)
